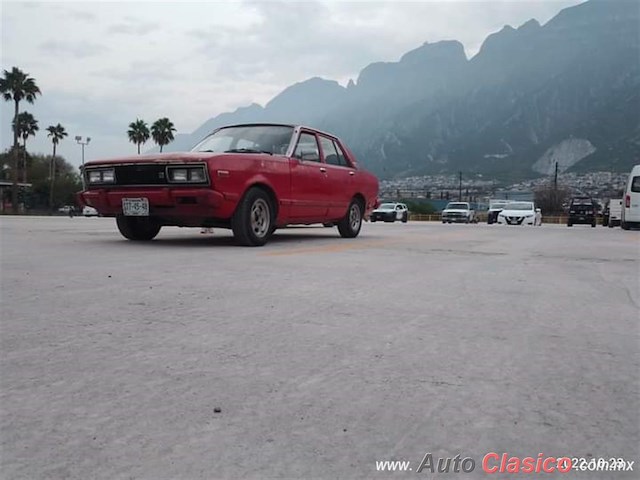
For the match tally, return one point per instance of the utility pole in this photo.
(555, 178)
(460, 186)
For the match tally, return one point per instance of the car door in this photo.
(399, 212)
(339, 175)
(309, 185)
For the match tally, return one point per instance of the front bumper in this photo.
(516, 220)
(382, 216)
(582, 219)
(163, 202)
(455, 219)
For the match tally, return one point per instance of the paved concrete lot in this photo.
(323, 354)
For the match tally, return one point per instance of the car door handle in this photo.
(352, 173)
(323, 170)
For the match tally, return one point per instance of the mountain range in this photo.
(567, 92)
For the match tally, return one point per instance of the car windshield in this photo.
(457, 206)
(272, 139)
(387, 206)
(519, 206)
(498, 204)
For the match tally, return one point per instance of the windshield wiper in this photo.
(247, 150)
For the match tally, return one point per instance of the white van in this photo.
(615, 212)
(631, 200)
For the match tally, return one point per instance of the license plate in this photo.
(135, 207)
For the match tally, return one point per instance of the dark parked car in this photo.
(582, 210)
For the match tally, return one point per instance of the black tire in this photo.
(138, 229)
(569, 224)
(610, 224)
(405, 217)
(373, 219)
(349, 226)
(625, 225)
(593, 225)
(253, 221)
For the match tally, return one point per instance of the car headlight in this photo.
(185, 174)
(101, 175)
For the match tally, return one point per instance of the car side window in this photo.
(342, 159)
(329, 151)
(307, 148)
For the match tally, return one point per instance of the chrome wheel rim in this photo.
(354, 217)
(260, 218)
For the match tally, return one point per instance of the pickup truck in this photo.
(459, 212)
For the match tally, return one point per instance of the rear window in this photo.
(635, 185)
(581, 201)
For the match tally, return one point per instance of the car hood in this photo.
(165, 157)
(384, 210)
(516, 213)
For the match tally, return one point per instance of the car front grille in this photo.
(141, 174)
(515, 220)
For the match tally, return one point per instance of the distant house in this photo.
(5, 194)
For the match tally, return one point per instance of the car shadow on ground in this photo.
(305, 236)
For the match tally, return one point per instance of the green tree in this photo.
(162, 132)
(26, 126)
(138, 133)
(38, 197)
(56, 133)
(16, 85)
(550, 199)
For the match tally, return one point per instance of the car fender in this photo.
(275, 190)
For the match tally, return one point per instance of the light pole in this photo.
(83, 141)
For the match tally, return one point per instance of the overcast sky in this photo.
(102, 64)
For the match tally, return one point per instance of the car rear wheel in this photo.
(349, 226)
(253, 221)
(138, 229)
(373, 219)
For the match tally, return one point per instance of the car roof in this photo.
(269, 124)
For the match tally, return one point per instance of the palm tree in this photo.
(56, 133)
(162, 131)
(138, 133)
(15, 85)
(26, 126)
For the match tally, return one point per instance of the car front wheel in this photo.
(349, 226)
(405, 217)
(139, 229)
(253, 221)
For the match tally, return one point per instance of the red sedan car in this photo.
(249, 178)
